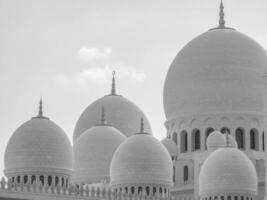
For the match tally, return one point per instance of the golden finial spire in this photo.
(113, 87)
(221, 21)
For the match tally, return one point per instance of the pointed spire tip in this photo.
(113, 87)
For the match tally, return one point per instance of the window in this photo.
(139, 189)
(263, 142)
(195, 140)
(18, 179)
(132, 190)
(57, 180)
(174, 137)
(254, 139)
(174, 174)
(25, 179)
(33, 179)
(62, 181)
(183, 141)
(49, 180)
(154, 190)
(42, 179)
(240, 138)
(147, 190)
(208, 132)
(225, 129)
(185, 174)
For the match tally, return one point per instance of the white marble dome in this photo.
(38, 145)
(216, 140)
(121, 114)
(141, 160)
(93, 152)
(171, 146)
(219, 71)
(227, 171)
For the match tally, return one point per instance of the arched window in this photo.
(139, 189)
(62, 181)
(160, 190)
(195, 140)
(263, 142)
(18, 179)
(126, 190)
(42, 179)
(254, 139)
(154, 190)
(174, 174)
(225, 129)
(174, 137)
(25, 179)
(208, 132)
(240, 138)
(49, 180)
(183, 141)
(185, 174)
(147, 190)
(33, 179)
(132, 190)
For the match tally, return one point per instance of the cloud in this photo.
(90, 54)
(95, 72)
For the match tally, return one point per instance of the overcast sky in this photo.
(65, 50)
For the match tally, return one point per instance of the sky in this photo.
(65, 50)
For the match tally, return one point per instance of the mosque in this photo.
(214, 102)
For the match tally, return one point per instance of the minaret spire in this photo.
(221, 21)
(113, 87)
(40, 113)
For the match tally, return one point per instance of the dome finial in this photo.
(113, 88)
(142, 125)
(40, 113)
(103, 120)
(221, 21)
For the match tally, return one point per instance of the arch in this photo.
(225, 129)
(41, 178)
(33, 178)
(18, 179)
(185, 174)
(240, 138)
(154, 190)
(174, 137)
(147, 190)
(25, 179)
(254, 139)
(183, 141)
(263, 142)
(160, 190)
(126, 190)
(132, 190)
(49, 180)
(56, 180)
(195, 139)
(139, 189)
(62, 181)
(207, 133)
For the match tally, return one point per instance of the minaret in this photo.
(221, 20)
(113, 87)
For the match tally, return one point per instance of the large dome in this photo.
(141, 159)
(38, 145)
(227, 171)
(120, 113)
(93, 152)
(219, 71)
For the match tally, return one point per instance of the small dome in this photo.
(216, 140)
(38, 145)
(171, 146)
(227, 171)
(232, 141)
(141, 159)
(219, 71)
(122, 114)
(93, 152)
